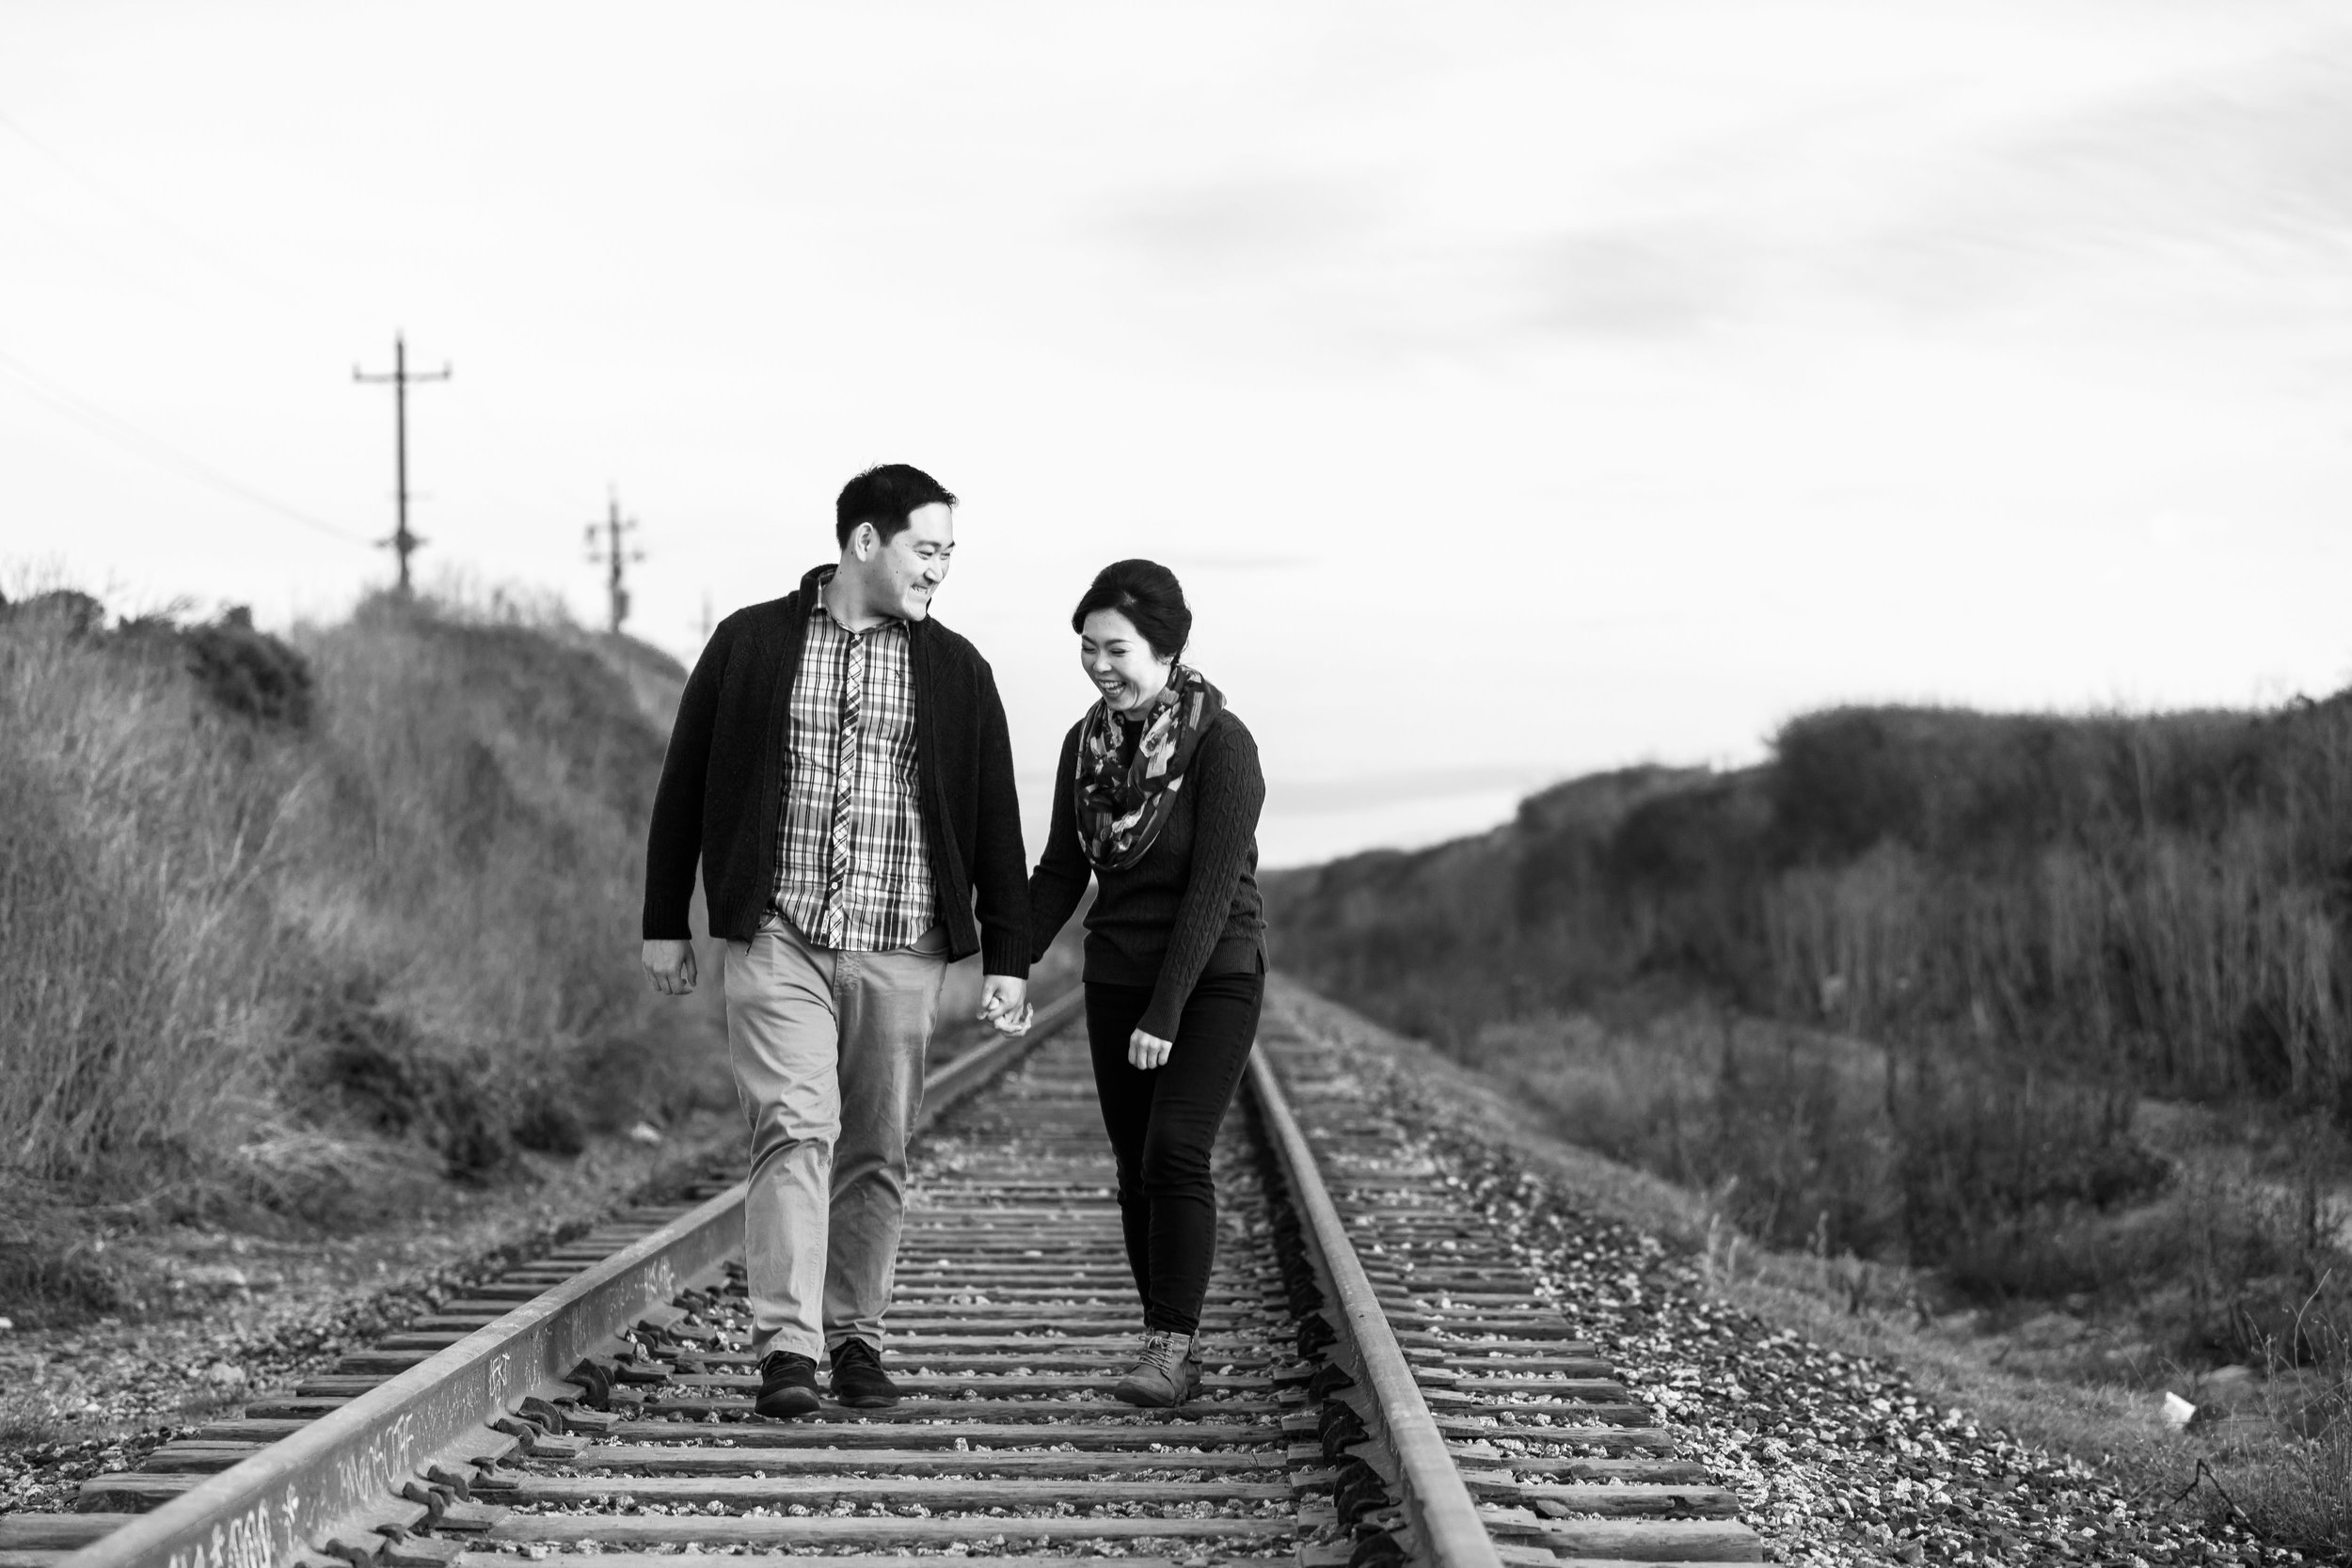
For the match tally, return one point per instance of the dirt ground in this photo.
(254, 1312)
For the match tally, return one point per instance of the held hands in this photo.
(670, 965)
(1004, 1004)
(1148, 1051)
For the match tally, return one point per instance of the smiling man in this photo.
(841, 769)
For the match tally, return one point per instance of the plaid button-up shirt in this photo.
(887, 899)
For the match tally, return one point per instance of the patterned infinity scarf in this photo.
(1122, 809)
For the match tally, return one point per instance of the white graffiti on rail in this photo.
(243, 1541)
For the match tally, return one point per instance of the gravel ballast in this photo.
(254, 1313)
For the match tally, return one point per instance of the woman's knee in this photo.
(1175, 1165)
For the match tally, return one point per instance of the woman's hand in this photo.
(1147, 1051)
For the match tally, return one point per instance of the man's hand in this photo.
(1148, 1051)
(670, 965)
(1005, 1003)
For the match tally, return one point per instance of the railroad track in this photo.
(1384, 1384)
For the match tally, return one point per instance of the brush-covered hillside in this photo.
(2167, 897)
(2032, 1033)
(1913, 985)
(291, 927)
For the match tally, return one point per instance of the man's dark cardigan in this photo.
(722, 792)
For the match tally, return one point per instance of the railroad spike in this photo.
(1341, 1428)
(1358, 1492)
(595, 1381)
(547, 1414)
(457, 1480)
(1327, 1380)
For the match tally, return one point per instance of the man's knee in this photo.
(876, 1122)
(780, 1128)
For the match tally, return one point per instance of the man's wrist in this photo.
(1003, 958)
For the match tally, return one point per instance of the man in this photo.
(841, 765)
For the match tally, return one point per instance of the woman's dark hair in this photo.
(1148, 595)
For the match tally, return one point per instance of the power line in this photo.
(613, 555)
(156, 450)
(280, 294)
(250, 275)
(402, 543)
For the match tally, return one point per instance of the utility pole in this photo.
(614, 554)
(402, 541)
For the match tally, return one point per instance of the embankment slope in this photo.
(293, 930)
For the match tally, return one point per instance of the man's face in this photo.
(902, 576)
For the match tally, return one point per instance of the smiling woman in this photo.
(1134, 611)
(1157, 797)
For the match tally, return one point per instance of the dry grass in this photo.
(2164, 895)
(258, 953)
(1809, 1139)
(2066, 1326)
(135, 835)
(2271, 1448)
(2160, 901)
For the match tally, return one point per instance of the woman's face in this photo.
(1119, 660)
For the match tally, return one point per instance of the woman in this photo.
(1157, 797)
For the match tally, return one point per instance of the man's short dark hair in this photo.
(885, 496)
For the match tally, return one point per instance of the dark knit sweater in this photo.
(722, 792)
(1190, 905)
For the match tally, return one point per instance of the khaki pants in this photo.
(828, 1049)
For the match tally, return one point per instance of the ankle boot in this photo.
(1167, 1373)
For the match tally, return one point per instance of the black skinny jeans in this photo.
(1163, 1124)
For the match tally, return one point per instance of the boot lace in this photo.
(1160, 1353)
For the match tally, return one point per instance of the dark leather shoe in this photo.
(858, 1379)
(787, 1385)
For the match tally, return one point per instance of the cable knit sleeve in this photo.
(674, 837)
(1229, 792)
(1060, 878)
(997, 859)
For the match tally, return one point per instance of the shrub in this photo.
(2166, 899)
(2044, 916)
(250, 672)
(266, 904)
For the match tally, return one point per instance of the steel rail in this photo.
(1437, 1503)
(269, 1509)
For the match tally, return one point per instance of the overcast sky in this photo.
(1520, 389)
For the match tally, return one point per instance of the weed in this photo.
(53, 1265)
(278, 915)
(2162, 902)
